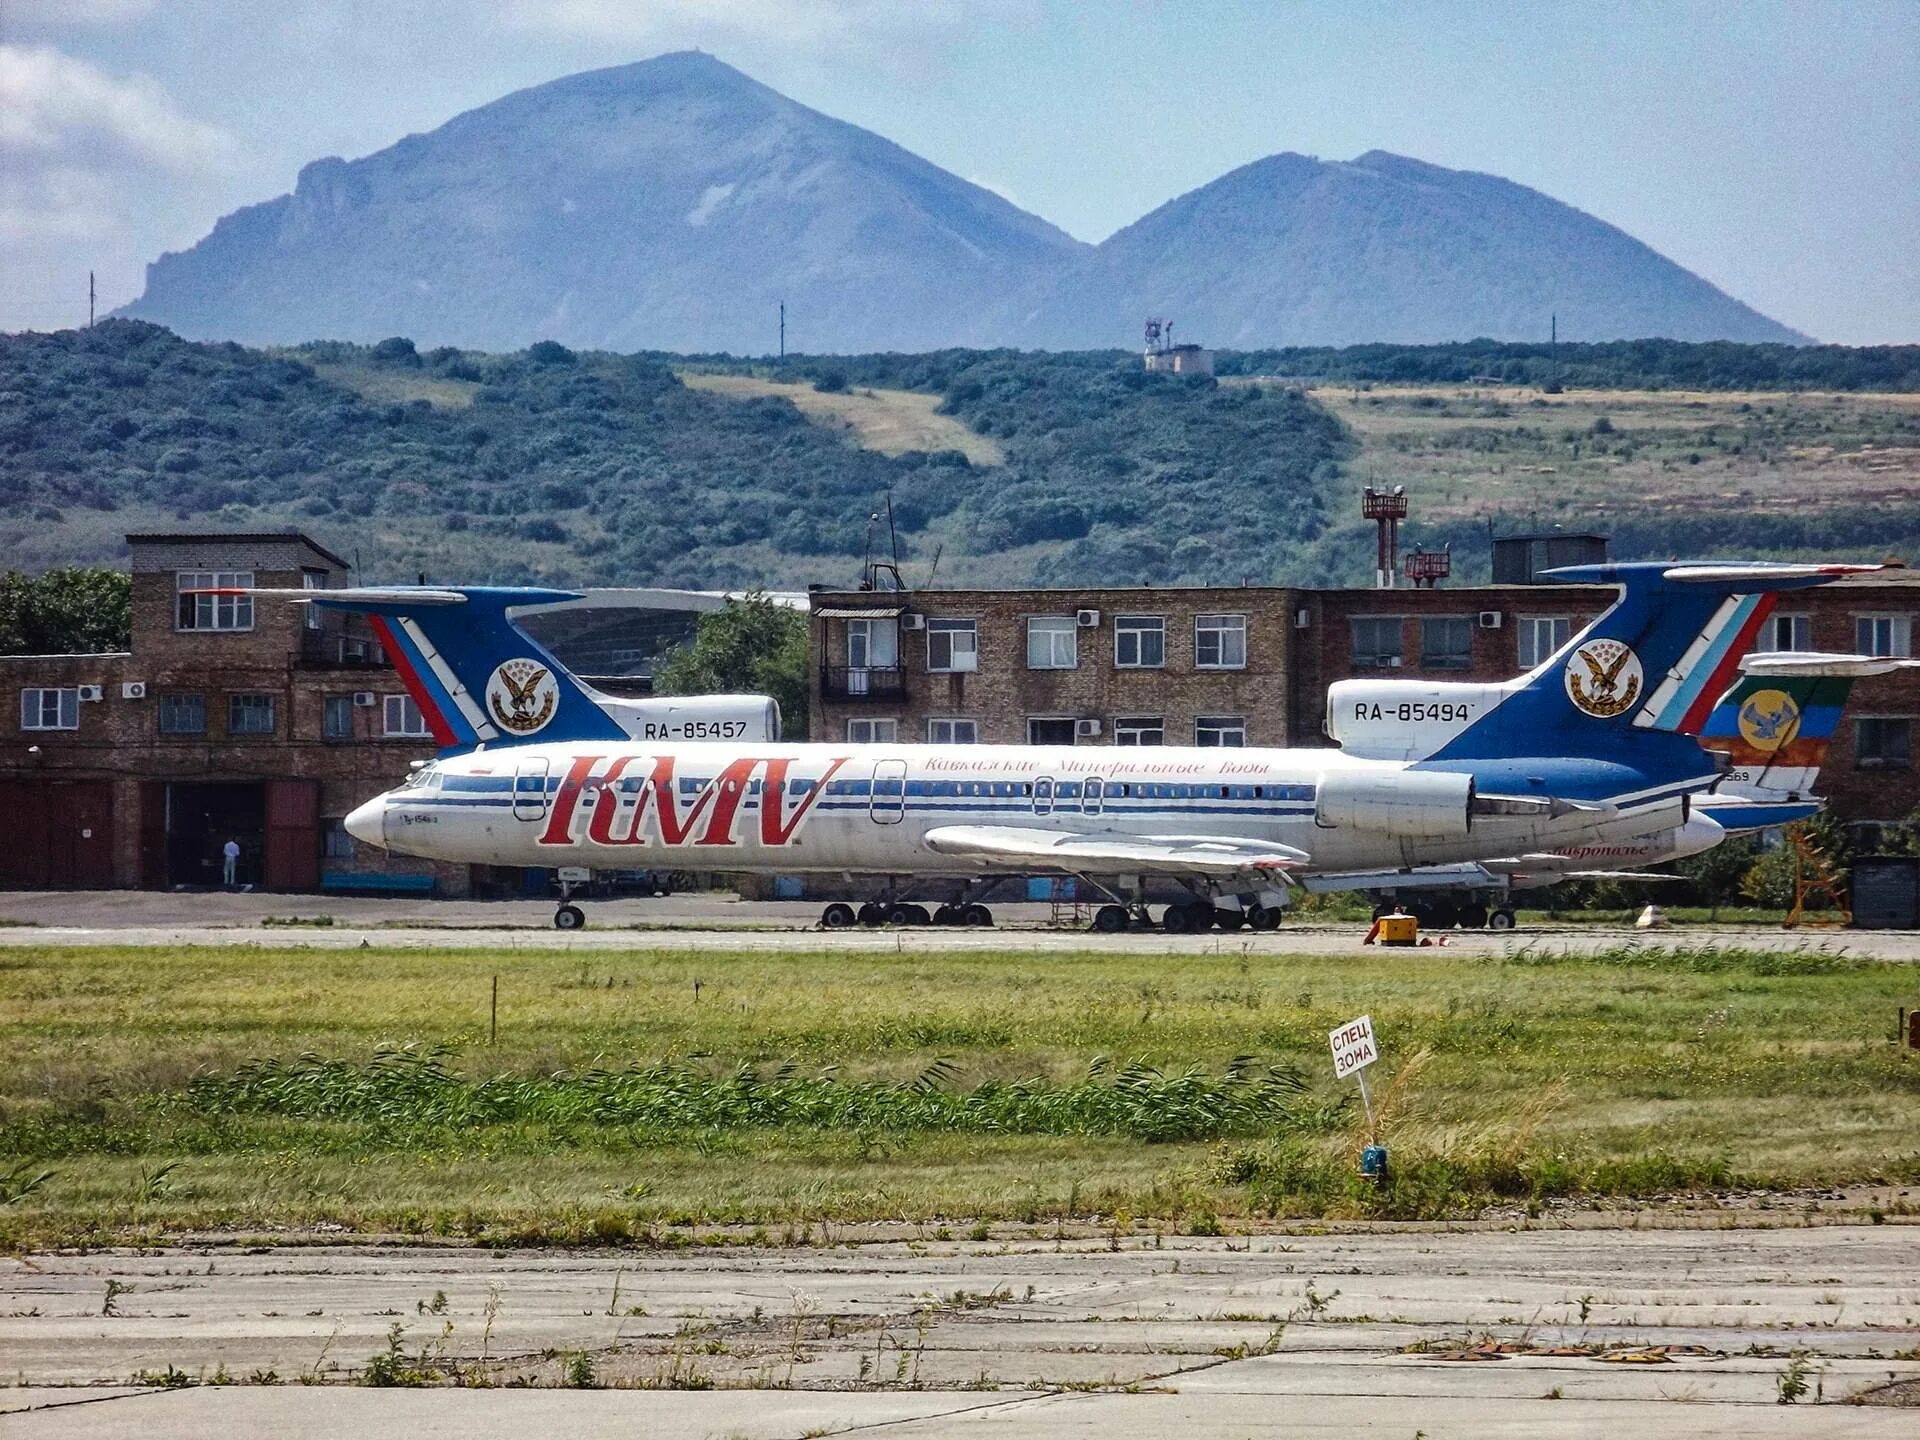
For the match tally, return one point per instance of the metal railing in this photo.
(862, 682)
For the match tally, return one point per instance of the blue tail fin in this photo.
(1656, 661)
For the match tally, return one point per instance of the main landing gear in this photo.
(888, 911)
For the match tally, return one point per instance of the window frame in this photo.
(1136, 628)
(867, 628)
(1202, 627)
(1427, 661)
(1220, 725)
(1067, 625)
(1800, 625)
(873, 722)
(330, 703)
(1527, 637)
(66, 702)
(1900, 632)
(1070, 721)
(333, 833)
(1137, 726)
(235, 708)
(174, 698)
(951, 721)
(1376, 659)
(1862, 761)
(188, 610)
(407, 702)
(950, 627)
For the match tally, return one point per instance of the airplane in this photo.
(1585, 749)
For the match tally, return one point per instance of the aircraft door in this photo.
(530, 789)
(1043, 795)
(888, 802)
(1093, 795)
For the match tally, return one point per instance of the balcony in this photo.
(862, 682)
(331, 650)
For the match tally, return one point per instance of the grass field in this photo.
(889, 421)
(161, 1090)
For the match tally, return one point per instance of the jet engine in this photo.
(1407, 804)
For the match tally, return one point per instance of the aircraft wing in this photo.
(1076, 851)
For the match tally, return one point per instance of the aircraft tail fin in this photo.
(1777, 721)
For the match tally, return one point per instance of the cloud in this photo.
(76, 13)
(796, 24)
(54, 108)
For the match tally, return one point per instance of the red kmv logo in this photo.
(655, 814)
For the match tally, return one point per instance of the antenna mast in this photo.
(89, 299)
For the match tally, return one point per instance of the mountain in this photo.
(1296, 251)
(669, 205)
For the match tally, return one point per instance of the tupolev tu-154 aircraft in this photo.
(1590, 748)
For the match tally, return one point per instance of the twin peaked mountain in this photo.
(675, 203)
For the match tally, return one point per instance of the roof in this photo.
(239, 536)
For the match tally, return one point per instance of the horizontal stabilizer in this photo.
(1759, 572)
(1812, 664)
(356, 595)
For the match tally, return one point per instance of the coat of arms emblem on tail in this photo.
(1604, 678)
(522, 695)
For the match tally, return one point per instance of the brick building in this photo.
(1251, 664)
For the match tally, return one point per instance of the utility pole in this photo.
(783, 329)
(89, 299)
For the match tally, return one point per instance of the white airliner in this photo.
(1588, 749)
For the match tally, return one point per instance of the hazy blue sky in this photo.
(1772, 147)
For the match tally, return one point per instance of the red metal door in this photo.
(25, 854)
(153, 834)
(83, 816)
(293, 835)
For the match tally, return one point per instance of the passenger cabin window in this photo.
(1883, 635)
(50, 708)
(1053, 642)
(1376, 642)
(1785, 632)
(213, 612)
(1446, 642)
(1220, 642)
(1228, 731)
(953, 732)
(183, 714)
(1139, 642)
(1539, 636)
(953, 646)
(873, 732)
(1882, 742)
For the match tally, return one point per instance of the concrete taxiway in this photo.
(1444, 1333)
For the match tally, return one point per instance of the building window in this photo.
(873, 732)
(953, 646)
(1883, 635)
(953, 732)
(873, 644)
(250, 714)
(1050, 730)
(339, 842)
(1785, 632)
(214, 612)
(1446, 642)
(1053, 642)
(183, 714)
(1228, 731)
(1139, 642)
(336, 719)
(1140, 730)
(403, 718)
(1882, 743)
(1540, 636)
(50, 709)
(312, 580)
(1376, 642)
(1220, 642)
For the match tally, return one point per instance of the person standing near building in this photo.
(230, 871)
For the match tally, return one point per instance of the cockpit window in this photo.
(425, 778)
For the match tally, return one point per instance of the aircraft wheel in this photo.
(978, 916)
(1265, 917)
(1473, 917)
(1110, 919)
(946, 915)
(1177, 920)
(1441, 917)
(1228, 919)
(872, 914)
(569, 917)
(1500, 920)
(837, 916)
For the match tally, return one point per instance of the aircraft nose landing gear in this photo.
(570, 916)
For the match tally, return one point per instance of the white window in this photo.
(1140, 730)
(1376, 642)
(1785, 632)
(1139, 642)
(1053, 642)
(213, 612)
(250, 714)
(313, 580)
(873, 644)
(1229, 731)
(1540, 636)
(403, 717)
(953, 732)
(1883, 635)
(1220, 642)
(873, 732)
(953, 645)
(50, 709)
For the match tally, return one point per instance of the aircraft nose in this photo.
(368, 823)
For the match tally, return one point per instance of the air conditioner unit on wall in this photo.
(1086, 727)
(90, 693)
(133, 690)
(365, 699)
(911, 621)
(1302, 619)
(1088, 617)
(1491, 619)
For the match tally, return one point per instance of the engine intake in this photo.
(1406, 804)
